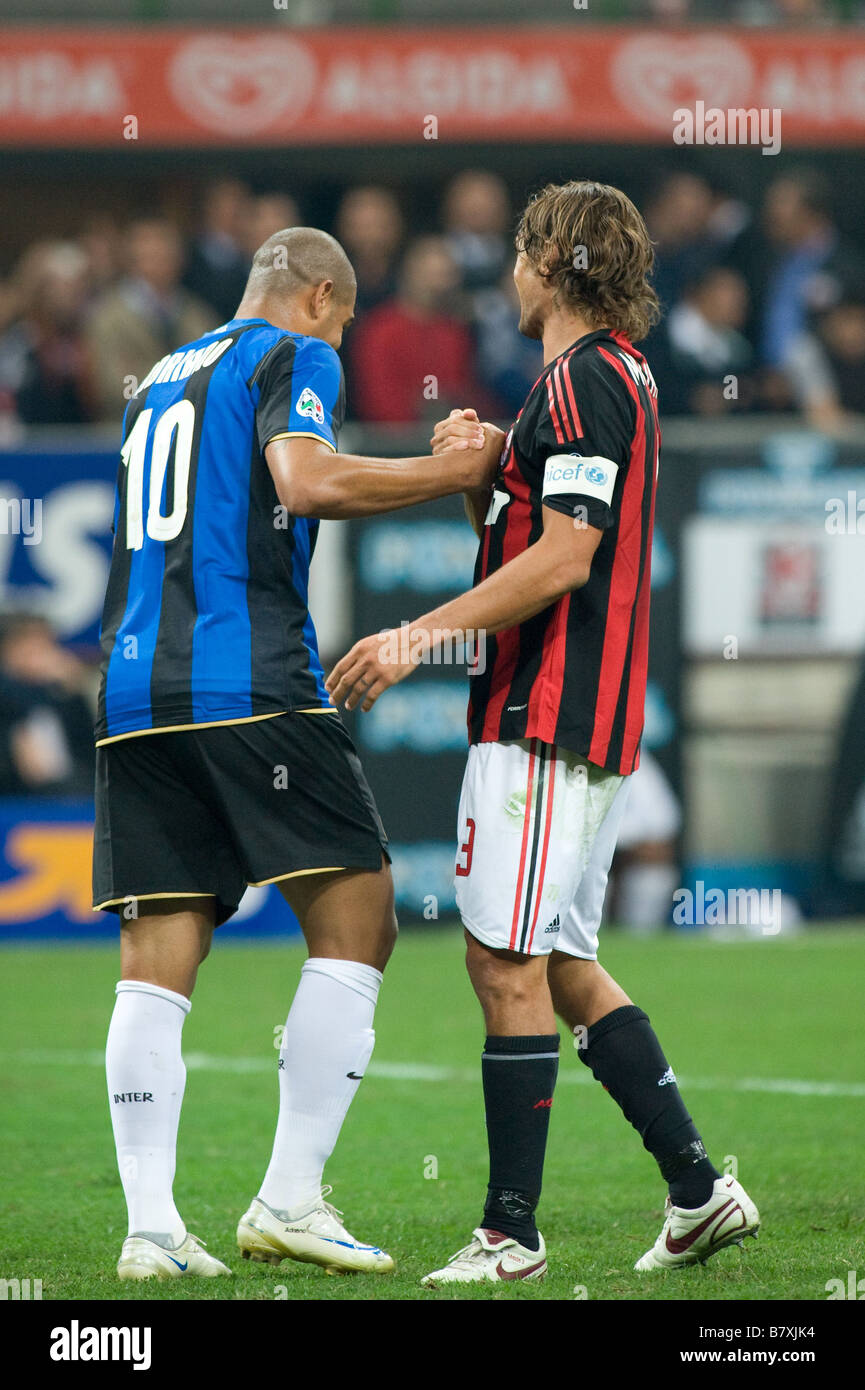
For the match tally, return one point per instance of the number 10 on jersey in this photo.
(179, 418)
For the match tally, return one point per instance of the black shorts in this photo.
(208, 811)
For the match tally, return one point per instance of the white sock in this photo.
(645, 896)
(146, 1078)
(328, 1035)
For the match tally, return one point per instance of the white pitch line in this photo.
(421, 1071)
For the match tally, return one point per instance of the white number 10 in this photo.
(179, 417)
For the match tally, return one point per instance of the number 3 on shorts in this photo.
(463, 870)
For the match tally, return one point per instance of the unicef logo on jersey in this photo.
(311, 406)
(590, 472)
(572, 473)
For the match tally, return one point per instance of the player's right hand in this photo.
(461, 430)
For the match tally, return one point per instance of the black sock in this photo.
(624, 1054)
(519, 1077)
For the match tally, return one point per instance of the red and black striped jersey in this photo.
(585, 443)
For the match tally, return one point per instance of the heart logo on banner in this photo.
(654, 77)
(241, 86)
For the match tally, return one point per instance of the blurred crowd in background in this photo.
(763, 312)
(46, 712)
(764, 305)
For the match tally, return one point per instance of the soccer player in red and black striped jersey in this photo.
(561, 605)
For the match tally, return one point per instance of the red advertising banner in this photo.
(233, 87)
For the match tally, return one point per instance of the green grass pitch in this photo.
(765, 1038)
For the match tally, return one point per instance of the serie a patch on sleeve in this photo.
(588, 477)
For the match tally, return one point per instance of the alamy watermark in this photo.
(845, 516)
(77, 1343)
(21, 516)
(713, 907)
(737, 126)
(20, 1290)
(443, 646)
(854, 1288)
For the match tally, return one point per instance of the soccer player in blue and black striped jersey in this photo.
(221, 759)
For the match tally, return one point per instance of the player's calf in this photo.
(624, 1054)
(519, 1067)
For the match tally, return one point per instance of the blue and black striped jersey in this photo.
(206, 618)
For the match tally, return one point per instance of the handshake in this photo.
(463, 430)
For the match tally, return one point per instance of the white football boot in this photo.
(490, 1256)
(314, 1237)
(141, 1258)
(690, 1235)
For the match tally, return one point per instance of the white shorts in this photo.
(538, 827)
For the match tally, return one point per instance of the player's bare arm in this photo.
(559, 562)
(313, 481)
